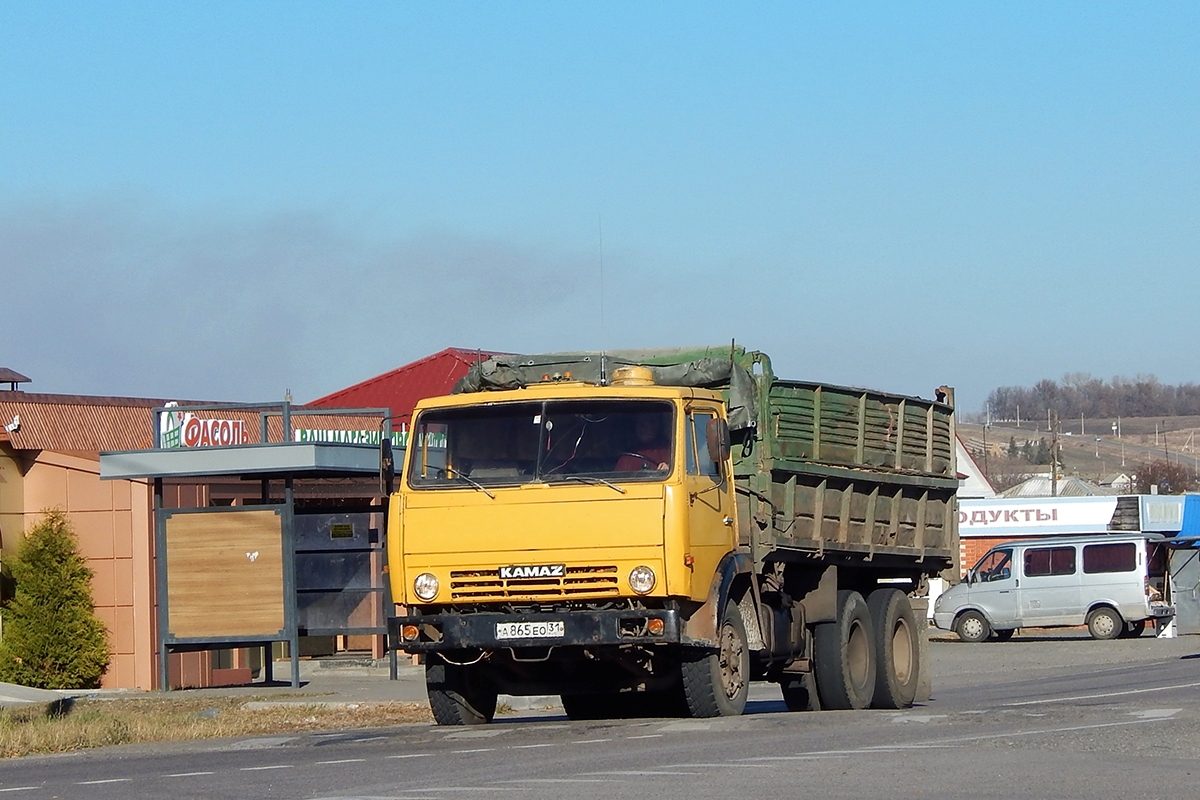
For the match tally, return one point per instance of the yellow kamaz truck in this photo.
(644, 533)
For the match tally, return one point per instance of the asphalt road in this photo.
(1037, 717)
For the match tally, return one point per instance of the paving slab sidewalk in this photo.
(334, 683)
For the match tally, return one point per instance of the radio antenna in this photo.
(600, 231)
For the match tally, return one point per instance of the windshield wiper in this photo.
(588, 479)
(459, 477)
(474, 483)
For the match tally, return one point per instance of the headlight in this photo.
(641, 579)
(426, 586)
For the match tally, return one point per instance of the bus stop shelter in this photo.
(263, 571)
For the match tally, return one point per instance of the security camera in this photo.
(15, 425)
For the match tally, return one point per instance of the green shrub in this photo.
(52, 638)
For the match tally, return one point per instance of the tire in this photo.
(798, 695)
(971, 626)
(1105, 623)
(459, 695)
(1004, 634)
(716, 683)
(1134, 630)
(589, 706)
(844, 653)
(897, 650)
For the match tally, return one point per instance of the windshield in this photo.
(507, 444)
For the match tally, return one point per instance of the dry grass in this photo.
(62, 726)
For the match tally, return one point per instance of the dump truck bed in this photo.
(839, 472)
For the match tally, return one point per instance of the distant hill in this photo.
(1089, 448)
(1081, 394)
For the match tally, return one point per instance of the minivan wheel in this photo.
(1104, 623)
(972, 627)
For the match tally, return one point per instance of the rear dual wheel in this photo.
(844, 655)
(624, 705)
(896, 649)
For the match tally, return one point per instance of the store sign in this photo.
(184, 429)
(399, 438)
(1025, 516)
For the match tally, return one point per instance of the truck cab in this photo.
(554, 537)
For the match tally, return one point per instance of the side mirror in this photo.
(972, 577)
(387, 465)
(716, 432)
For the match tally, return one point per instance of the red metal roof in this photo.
(74, 423)
(401, 388)
(81, 424)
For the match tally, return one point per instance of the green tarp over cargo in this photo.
(708, 367)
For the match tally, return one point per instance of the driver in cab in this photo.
(651, 450)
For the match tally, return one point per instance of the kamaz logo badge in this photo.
(534, 571)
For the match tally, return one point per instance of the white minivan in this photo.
(1111, 582)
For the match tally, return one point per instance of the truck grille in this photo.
(486, 584)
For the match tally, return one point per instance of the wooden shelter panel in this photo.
(225, 574)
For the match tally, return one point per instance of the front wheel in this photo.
(972, 627)
(716, 683)
(459, 694)
(1104, 623)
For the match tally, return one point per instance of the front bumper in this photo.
(944, 620)
(477, 631)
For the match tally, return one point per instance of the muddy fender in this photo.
(730, 583)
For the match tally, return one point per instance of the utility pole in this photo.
(986, 425)
(1054, 458)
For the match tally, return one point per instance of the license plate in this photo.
(553, 629)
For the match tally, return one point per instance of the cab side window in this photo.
(995, 566)
(698, 462)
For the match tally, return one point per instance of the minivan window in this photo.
(1049, 561)
(1121, 557)
(994, 566)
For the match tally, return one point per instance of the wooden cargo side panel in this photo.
(225, 574)
(855, 428)
(818, 513)
(815, 423)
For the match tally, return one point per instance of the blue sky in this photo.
(225, 201)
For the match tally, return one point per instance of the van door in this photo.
(1050, 594)
(1116, 572)
(994, 589)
